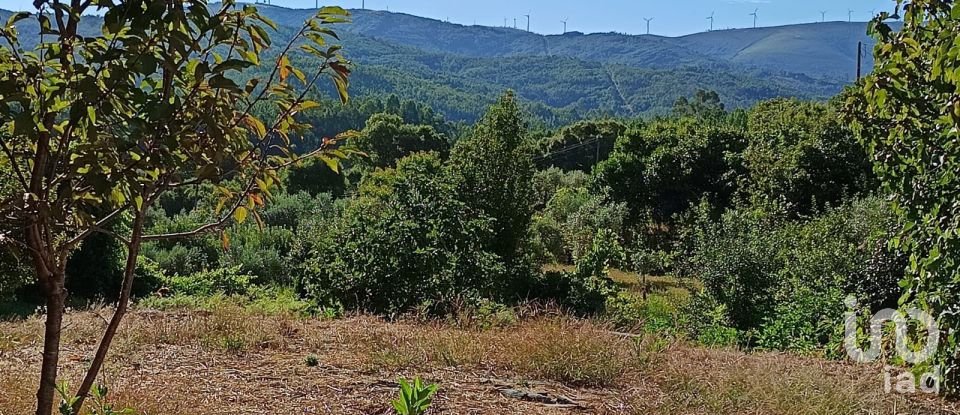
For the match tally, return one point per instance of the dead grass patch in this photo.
(182, 362)
(731, 382)
(559, 349)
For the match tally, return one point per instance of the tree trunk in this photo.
(133, 251)
(56, 298)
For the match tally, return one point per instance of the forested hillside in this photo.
(459, 70)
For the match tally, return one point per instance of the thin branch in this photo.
(114, 235)
(99, 225)
(16, 168)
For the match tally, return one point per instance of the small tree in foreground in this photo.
(96, 126)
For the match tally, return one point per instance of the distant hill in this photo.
(460, 69)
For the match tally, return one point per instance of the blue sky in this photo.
(671, 17)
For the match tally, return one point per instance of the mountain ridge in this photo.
(460, 69)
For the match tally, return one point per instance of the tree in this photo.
(704, 104)
(98, 124)
(582, 145)
(493, 170)
(800, 155)
(406, 240)
(663, 167)
(387, 139)
(908, 115)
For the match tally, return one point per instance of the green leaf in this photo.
(16, 17)
(232, 65)
(240, 214)
(256, 125)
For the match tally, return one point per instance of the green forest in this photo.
(180, 161)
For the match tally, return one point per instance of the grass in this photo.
(557, 349)
(251, 361)
(730, 382)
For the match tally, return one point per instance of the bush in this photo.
(783, 283)
(658, 170)
(387, 139)
(563, 232)
(225, 281)
(406, 239)
(707, 322)
(547, 182)
(585, 290)
(15, 272)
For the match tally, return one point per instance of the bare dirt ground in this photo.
(231, 362)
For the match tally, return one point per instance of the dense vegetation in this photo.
(767, 216)
(773, 209)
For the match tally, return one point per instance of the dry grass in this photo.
(729, 382)
(558, 349)
(229, 361)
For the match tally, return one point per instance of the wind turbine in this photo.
(754, 14)
(514, 22)
(648, 24)
(564, 21)
(711, 20)
(528, 22)
(823, 16)
(873, 13)
(363, 4)
(849, 15)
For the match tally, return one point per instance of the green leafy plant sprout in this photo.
(414, 398)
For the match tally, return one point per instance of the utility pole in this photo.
(648, 23)
(859, 59)
(598, 151)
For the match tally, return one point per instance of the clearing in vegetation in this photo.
(232, 360)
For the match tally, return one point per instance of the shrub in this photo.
(226, 281)
(14, 271)
(585, 290)
(564, 231)
(657, 313)
(707, 322)
(784, 282)
(547, 182)
(658, 170)
(404, 240)
(387, 139)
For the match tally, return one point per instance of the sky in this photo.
(670, 17)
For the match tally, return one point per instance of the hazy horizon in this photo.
(677, 18)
